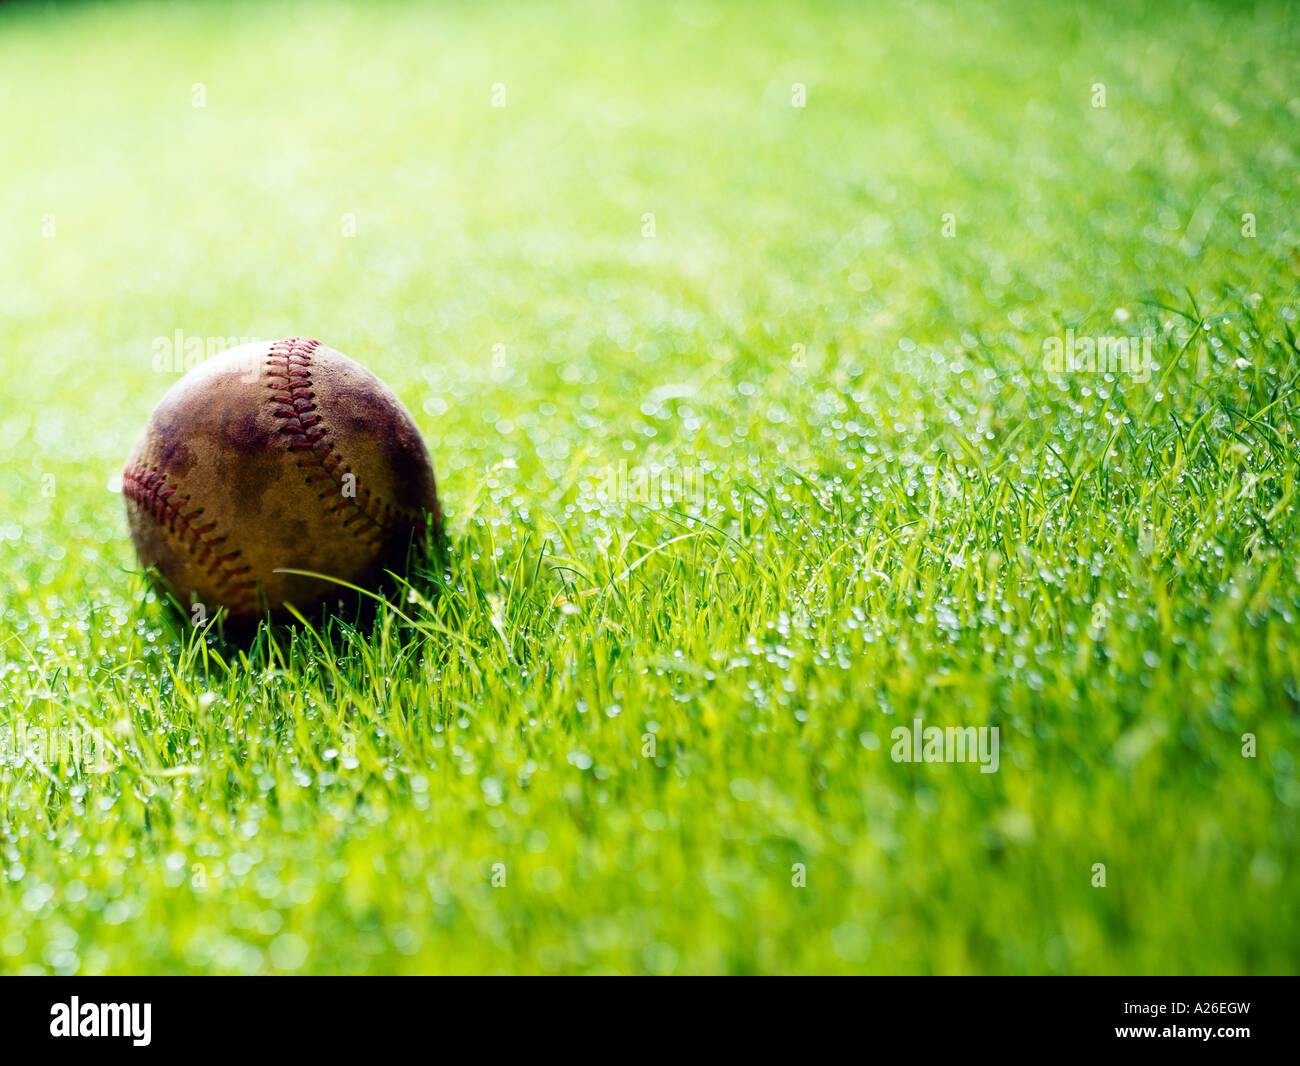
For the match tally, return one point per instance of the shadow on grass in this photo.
(355, 613)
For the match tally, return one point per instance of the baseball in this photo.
(270, 457)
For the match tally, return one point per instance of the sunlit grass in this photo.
(610, 735)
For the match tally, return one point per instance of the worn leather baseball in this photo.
(275, 456)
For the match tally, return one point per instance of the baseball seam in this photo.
(150, 490)
(289, 366)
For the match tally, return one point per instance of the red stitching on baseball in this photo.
(289, 361)
(147, 488)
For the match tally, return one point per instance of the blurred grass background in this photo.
(906, 513)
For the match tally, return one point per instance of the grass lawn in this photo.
(730, 328)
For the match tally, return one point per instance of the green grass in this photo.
(901, 511)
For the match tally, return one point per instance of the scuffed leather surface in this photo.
(239, 473)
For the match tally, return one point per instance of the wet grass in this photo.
(653, 734)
